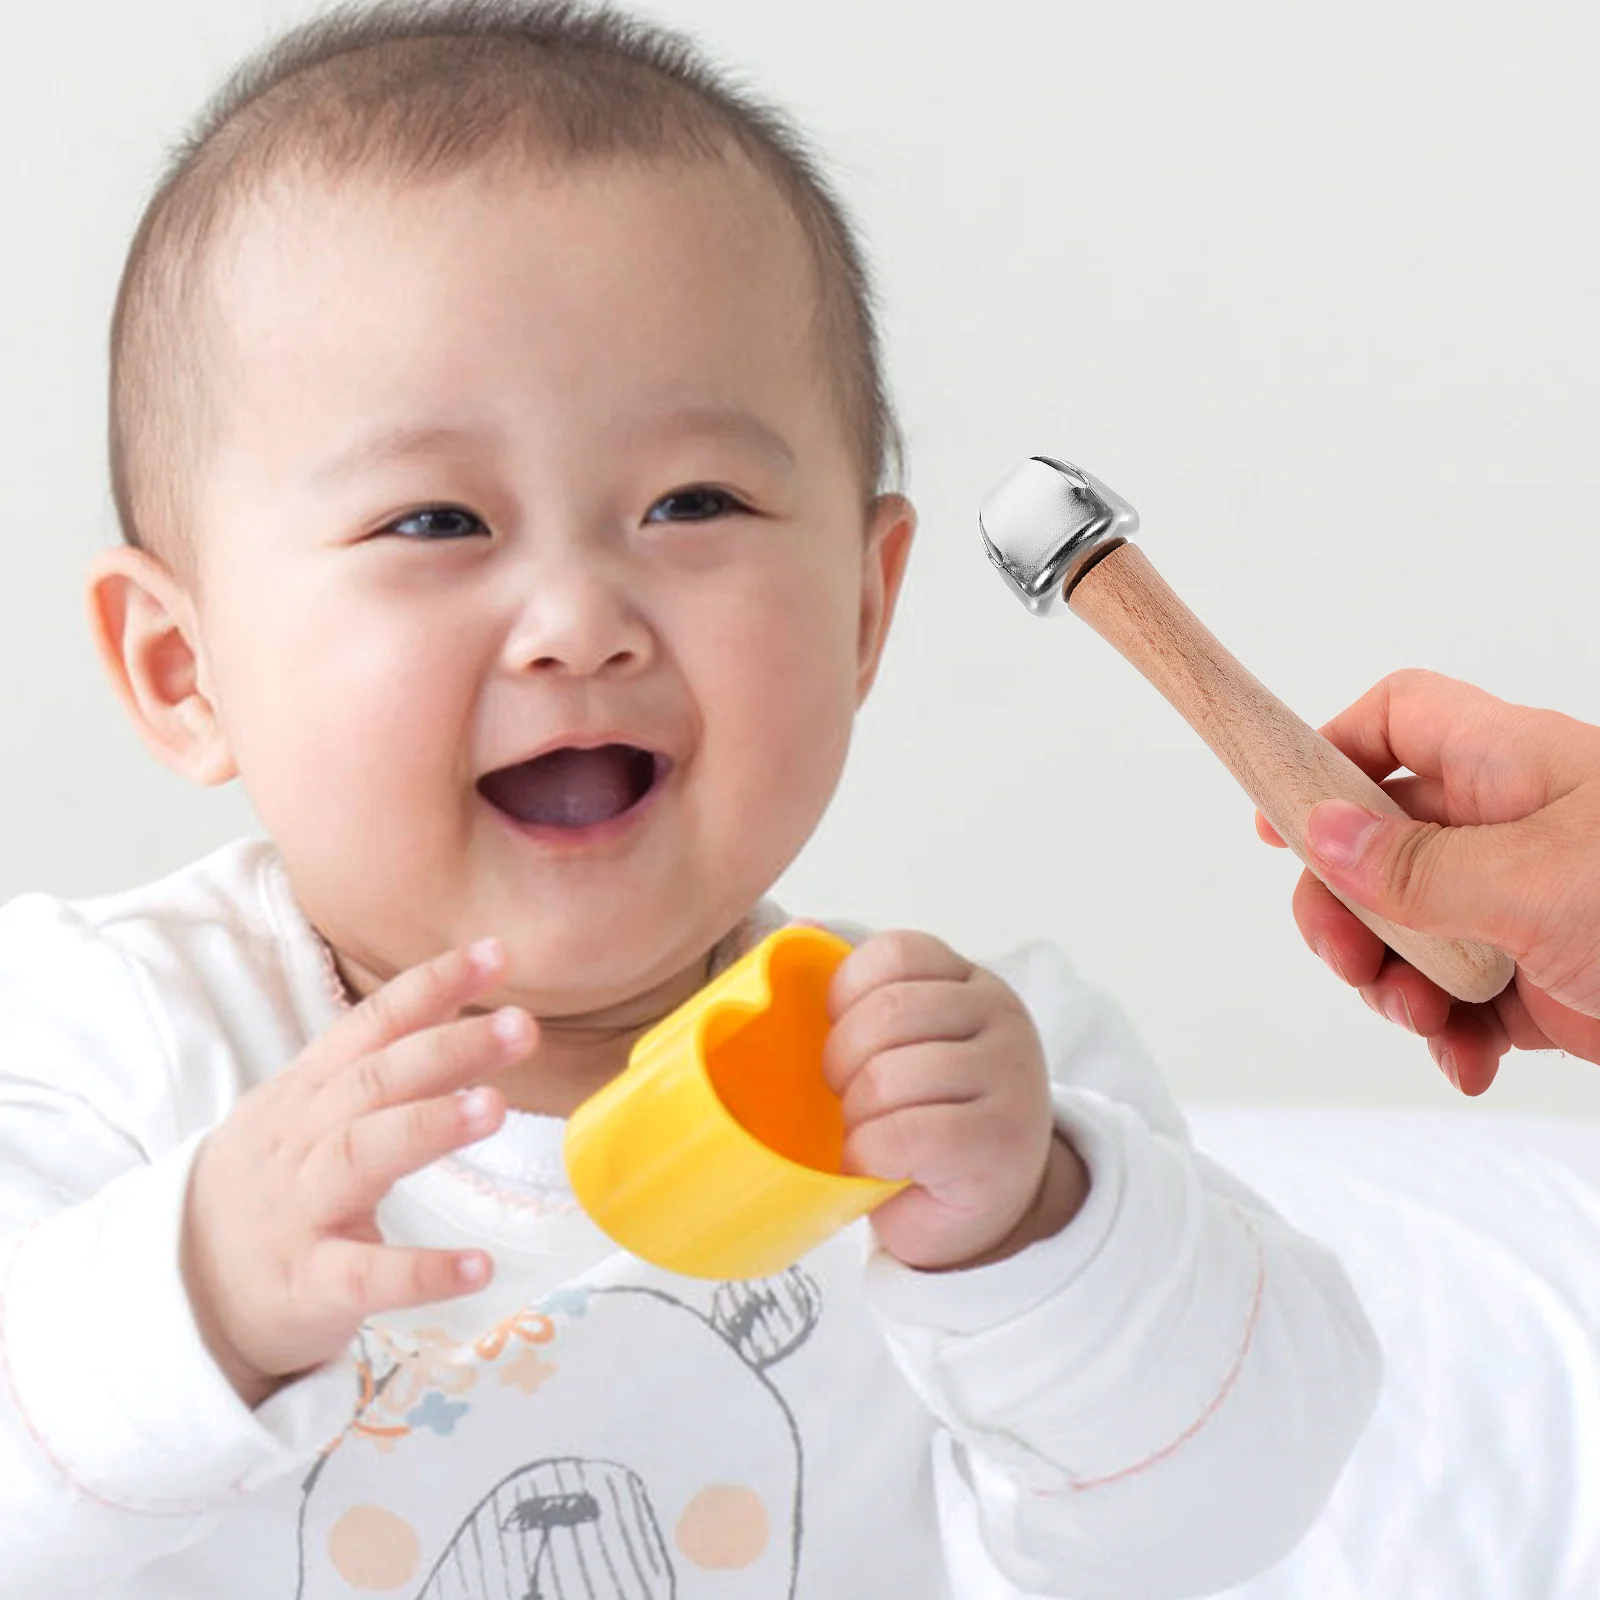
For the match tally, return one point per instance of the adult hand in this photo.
(1505, 850)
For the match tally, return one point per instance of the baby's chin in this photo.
(630, 999)
(624, 944)
(605, 995)
(612, 971)
(574, 949)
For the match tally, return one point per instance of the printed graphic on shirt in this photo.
(611, 1443)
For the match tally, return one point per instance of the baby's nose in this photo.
(580, 617)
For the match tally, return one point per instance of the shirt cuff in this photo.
(1095, 1354)
(99, 1345)
(967, 1301)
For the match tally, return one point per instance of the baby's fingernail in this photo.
(510, 1025)
(1397, 1011)
(472, 1269)
(1330, 960)
(485, 954)
(476, 1105)
(1338, 831)
(1447, 1065)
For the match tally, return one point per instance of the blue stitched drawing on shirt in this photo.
(612, 1443)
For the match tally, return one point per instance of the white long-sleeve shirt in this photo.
(1153, 1403)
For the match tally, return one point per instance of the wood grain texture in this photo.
(1285, 766)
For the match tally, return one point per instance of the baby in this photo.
(499, 439)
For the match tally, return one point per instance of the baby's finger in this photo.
(930, 1144)
(419, 997)
(348, 1281)
(918, 1074)
(426, 1063)
(895, 1014)
(348, 1174)
(897, 957)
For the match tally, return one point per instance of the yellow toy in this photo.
(717, 1152)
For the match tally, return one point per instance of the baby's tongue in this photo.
(571, 788)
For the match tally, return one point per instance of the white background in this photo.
(1312, 285)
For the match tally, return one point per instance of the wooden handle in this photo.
(1283, 765)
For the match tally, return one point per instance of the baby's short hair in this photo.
(428, 87)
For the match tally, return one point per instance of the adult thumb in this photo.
(1459, 882)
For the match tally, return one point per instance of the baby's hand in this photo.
(281, 1253)
(943, 1081)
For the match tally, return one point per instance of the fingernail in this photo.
(477, 1105)
(1397, 1011)
(473, 1269)
(484, 954)
(1338, 831)
(1447, 1065)
(1330, 960)
(510, 1025)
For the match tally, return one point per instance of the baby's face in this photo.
(515, 464)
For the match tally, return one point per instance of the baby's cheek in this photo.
(351, 770)
(358, 717)
(790, 745)
(779, 674)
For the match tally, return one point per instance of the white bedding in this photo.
(1474, 1240)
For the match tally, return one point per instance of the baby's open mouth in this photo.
(573, 788)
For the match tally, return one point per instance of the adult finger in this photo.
(1545, 1023)
(1469, 1050)
(1404, 720)
(1498, 761)
(1403, 996)
(1466, 882)
(1268, 834)
(1345, 944)
(1422, 799)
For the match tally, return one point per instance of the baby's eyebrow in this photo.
(729, 422)
(393, 443)
(396, 443)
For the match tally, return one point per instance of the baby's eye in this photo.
(699, 504)
(437, 522)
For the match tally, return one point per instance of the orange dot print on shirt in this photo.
(723, 1528)
(373, 1549)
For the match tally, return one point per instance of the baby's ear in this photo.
(891, 523)
(146, 628)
